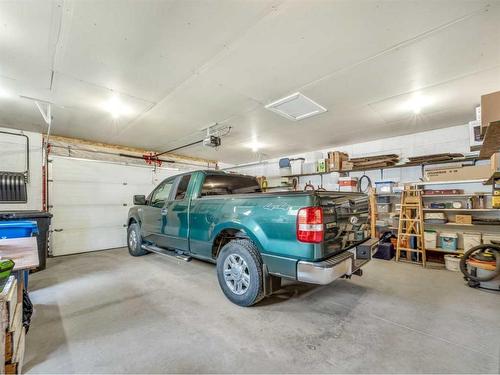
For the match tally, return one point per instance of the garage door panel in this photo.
(75, 241)
(71, 193)
(90, 201)
(90, 217)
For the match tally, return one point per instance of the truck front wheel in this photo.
(239, 270)
(134, 240)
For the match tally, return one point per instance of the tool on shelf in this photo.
(411, 226)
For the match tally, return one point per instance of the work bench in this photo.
(24, 253)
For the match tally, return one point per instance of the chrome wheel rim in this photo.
(236, 274)
(132, 239)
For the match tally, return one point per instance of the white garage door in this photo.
(90, 200)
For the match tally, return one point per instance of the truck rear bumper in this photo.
(343, 264)
(326, 271)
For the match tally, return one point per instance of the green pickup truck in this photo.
(255, 238)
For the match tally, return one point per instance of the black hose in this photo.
(495, 249)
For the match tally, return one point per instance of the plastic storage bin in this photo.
(489, 238)
(448, 241)
(471, 240)
(430, 239)
(17, 229)
(384, 187)
(42, 219)
(452, 262)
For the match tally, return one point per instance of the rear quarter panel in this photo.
(268, 220)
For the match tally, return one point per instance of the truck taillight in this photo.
(310, 224)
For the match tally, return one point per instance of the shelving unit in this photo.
(462, 209)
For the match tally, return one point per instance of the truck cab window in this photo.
(182, 187)
(161, 194)
(229, 184)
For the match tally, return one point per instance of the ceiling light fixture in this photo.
(417, 103)
(296, 107)
(255, 145)
(4, 93)
(116, 107)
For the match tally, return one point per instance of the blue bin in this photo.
(18, 229)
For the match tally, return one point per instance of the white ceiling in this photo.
(182, 65)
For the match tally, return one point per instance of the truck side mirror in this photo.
(139, 200)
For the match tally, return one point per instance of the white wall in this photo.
(13, 159)
(453, 139)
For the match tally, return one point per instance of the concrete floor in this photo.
(109, 312)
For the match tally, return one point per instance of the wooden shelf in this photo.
(462, 209)
(489, 181)
(454, 195)
(480, 181)
(438, 249)
(491, 142)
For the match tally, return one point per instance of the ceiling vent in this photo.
(296, 107)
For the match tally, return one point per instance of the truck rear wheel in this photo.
(134, 240)
(239, 270)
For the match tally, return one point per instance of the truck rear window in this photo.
(229, 184)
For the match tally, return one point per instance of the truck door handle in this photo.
(164, 211)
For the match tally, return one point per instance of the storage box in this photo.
(384, 187)
(347, 166)
(463, 219)
(384, 208)
(476, 172)
(335, 160)
(321, 166)
(430, 239)
(17, 229)
(490, 109)
(471, 240)
(448, 241)
(489, 238)
(475, 135)
(495, 162)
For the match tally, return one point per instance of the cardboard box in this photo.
(490, 109)
(477, 172)
(463, 219)
(321, 166)
(347, 166)
(495, 162)
(335, 160)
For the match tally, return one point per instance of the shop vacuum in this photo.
(481, 266)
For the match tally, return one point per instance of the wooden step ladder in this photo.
(411, 224)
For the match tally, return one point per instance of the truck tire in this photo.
(134, 240)
(239, 271)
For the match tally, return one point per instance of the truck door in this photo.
(153, 213)
(176, 215)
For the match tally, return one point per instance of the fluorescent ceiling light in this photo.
(254, 145)
(4, 93)
(116, 107)
(417, 103)
(296, 107)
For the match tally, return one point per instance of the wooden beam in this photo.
(118, 148)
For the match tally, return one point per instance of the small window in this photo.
(182, 187)
(161, 194)
(229, 184)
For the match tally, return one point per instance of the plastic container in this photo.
(452, 262)
(42, 219)
(384, 187)
(448, 241)
(384, 199)
(17, 229)
(489, 238)
(297, 165)
(430, 239)
(384, 208)
(471, 240)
